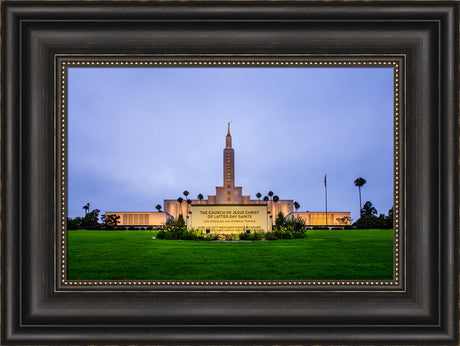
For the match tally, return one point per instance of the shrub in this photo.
(180, 222)
(176, 230)
(255, 235)
(369, 222)
(73, 223)
(296, 225)
(195, 235)
(110, 220)
(271, 236)
(212, 236)
(294, 228)
(245, 236)
(230, 236)
(369, 219)
(280, 220)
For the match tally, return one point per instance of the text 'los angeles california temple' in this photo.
(228, 209)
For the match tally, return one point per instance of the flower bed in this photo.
(284, 229)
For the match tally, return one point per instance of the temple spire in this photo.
(228, 139)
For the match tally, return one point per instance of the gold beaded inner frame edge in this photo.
(63, 62)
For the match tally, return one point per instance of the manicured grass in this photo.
(323, 255)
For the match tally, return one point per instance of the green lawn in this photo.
(323, 255)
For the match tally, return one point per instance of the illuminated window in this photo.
(228, 180)
(228, 161)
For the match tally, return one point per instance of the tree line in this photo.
(91, 220)
(368, 214)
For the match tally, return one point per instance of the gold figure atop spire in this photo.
(228, 139)
(228, 132)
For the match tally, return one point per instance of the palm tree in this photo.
(275, 199)
(270, 193)
(86, 207)
(266, 201)
(200, 197)
(186, 193)
(158, 207)
(296, 205)
(258, 195)
(189, 202)
(180, 200)
(360, 182)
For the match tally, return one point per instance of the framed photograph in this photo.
(285, 134)
(111, 110)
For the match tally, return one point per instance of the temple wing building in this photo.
(136, 218)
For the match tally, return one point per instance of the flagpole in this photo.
(325, 191)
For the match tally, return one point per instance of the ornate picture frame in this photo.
(392, 64)
(40, 307)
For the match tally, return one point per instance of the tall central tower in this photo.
(229, 161)
(228, 193)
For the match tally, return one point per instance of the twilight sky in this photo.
(141, 135)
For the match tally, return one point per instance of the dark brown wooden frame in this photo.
(424, 311)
